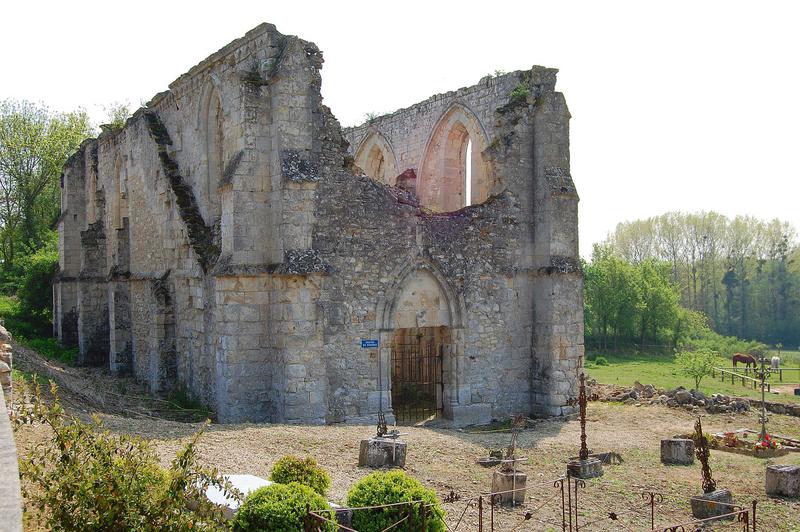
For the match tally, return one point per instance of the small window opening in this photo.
(468, 175)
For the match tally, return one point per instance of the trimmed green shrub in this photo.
(601, 361)
(391, 487)
(279, 507)
(304, 471)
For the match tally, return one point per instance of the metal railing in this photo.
(564, 505)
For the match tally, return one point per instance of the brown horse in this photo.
(744, 358)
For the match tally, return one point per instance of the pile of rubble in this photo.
(716, 404)
(647, 394)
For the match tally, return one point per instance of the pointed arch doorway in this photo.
(420, 328)
(418, 373)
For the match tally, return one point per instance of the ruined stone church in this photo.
(233, 241)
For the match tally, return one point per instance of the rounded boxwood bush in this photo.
(391, 487)
(279, 507)
(304, 471)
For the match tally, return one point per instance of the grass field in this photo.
(659, 370)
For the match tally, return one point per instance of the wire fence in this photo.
(565, 503)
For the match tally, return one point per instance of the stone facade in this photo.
(227, 241)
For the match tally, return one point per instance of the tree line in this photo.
(34, 145)
(740, 275)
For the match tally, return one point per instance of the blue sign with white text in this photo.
(369, 343)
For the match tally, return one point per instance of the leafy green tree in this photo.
(696, 364)
(741, 272)
(36, 280)
(34, 145)
(612, 296)
(659, 299)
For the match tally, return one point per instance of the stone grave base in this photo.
(678, 451)
(382, 452)
(343, 516)
(589, 468)
(783, 480)
(719, 502)
(506, 481)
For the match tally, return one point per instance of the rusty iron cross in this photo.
(382, 428)
(703, 452)
(584, 454)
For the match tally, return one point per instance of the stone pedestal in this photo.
(677, 451)
(510, 485)
(589, 468)
(382, 452)
(719, 502)
(783, 480)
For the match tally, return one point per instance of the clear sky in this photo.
(676, 105)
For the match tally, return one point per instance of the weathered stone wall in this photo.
(222, 242)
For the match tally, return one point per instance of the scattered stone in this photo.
(382, 452)
(671, 393)
(680, 396)
(683, 397)
(783, 480)
(677, 451)
(716, 503)
(698, 395)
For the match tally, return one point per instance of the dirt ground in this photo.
(784, 389)
(446, 459)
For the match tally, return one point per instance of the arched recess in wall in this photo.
(91, 195)
(452, 155)
(420, 319)
(376, 157)
(421, 297)
(211, 122)
(118, 197)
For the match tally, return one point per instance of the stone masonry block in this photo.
(783, 480)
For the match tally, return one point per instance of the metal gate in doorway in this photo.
(417, 355)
